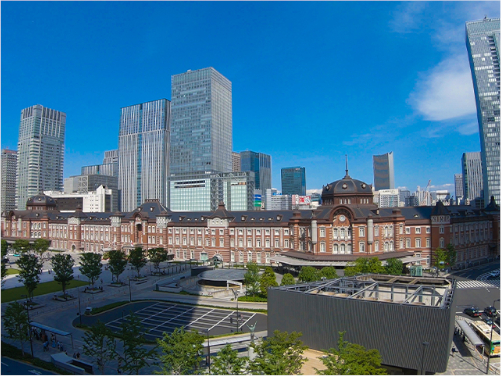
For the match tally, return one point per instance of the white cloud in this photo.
(468, 128)
(441, 186)
(407, 17)
(310, 191)
(445, 92)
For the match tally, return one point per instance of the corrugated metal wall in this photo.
(396, 330)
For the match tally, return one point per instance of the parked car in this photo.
(495, 273)
(5, 259)
(488, 321)
(472, 311)
(490, 311)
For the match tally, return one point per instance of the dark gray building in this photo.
(409, 320)
(86, 183)
(384, 174)
(260, 164)
(294, 181)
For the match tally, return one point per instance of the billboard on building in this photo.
(301, 200)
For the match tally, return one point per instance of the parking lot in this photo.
(160, 317)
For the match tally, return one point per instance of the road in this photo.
(13, 367)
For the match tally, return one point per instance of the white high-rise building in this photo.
(482, 42)
(8, 182)
(40, 152)
(143, 153)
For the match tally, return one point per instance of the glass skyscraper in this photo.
(8, 183)
(260, 164)
(40, 152)
(201, 128)
(471, 164)
(294, 181)
(482, 42)
(384, 175)
(143, 153)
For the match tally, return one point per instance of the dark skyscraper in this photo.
(260, 164)
(384, 176)
(294, 181)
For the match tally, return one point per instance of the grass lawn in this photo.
(10, 295)
(12, 271)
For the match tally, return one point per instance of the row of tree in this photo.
(33, 256)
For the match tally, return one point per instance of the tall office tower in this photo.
(201, 128)
(236, 162)
(294, 181)
(8, 183)
(109, 166)
(40, 152)
(402, 195)
(482, 42)
(458, 185)
(260, 164)
(384, 176)
(471, 164)
(143, 153)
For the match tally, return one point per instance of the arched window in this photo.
(386, 246)
(335, 248)
(342, 248)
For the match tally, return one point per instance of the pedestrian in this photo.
(101, 281)
(53, 343)
(74, 355)
(78, 355)
(58, 345)
(119, 367)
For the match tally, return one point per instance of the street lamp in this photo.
(29, 323)
(490, 344)
(235, 292)
(130, 292)
(425, 345)
(208, 348)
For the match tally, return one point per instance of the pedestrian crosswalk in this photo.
(477, 284)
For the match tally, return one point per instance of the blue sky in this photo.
(312, 81)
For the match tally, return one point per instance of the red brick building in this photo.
(347, 226)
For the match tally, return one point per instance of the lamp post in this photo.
(29, 321)
(490, 345)
(235, 292)
(425, 345)
(130, 292)
(208, 349)
(79, 308)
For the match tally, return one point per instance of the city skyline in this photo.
(402, 98)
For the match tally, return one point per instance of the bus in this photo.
(483, 330)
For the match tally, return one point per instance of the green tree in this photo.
(30, 268)
(251, 279)
(99, 345)
(137, 259)
(287, 279)
(267, 279)
(117, 263)
(329, 272)
(309, 274)
(134, 356)
(351, 359)
(394, 266)
(63, 270)
(364, 265)
(21, 246)
(280, 354)
(91, 266)
(157, 255)
(181, 352)
(227, 362)
(16, 324)
(41, 246)
(451, 255)
(440, 258)
(5, 246)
